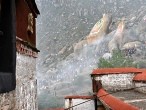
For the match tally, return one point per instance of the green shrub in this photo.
(118, 59)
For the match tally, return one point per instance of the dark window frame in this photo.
(7, 46)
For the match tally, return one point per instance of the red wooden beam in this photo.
(113, 102)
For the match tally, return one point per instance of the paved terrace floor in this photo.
(132, 97)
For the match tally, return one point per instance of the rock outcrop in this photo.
(100, 29)
(116, 42)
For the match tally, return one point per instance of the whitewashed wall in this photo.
(7, 101)
(86, 106)
(114, 82)
(139, 87)
(25, 95)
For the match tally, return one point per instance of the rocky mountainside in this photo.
(70, 47)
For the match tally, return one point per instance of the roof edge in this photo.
(114, 102)
(103, 71)
(33, 6)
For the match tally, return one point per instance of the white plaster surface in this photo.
(24, 97)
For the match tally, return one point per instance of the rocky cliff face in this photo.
(66, 58)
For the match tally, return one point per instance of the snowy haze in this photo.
(63, 23)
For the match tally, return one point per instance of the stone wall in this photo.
(140, 87)
(114, 82)
(7, 101)
(25, 95)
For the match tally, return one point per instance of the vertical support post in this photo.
(70, 104)
(94, 88)
(95, 101)
(96, 85)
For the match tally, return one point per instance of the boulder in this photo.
(107, 56)
(135, 49)
(135, 44)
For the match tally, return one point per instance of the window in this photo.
(7, 46)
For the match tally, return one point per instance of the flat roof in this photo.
(103, 71)
(132, 97)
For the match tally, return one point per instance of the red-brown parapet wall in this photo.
(103, 71)
(113, 102)
(140, 77)
(25, 48)
(79, 97)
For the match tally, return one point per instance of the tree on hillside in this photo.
(118, 59)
